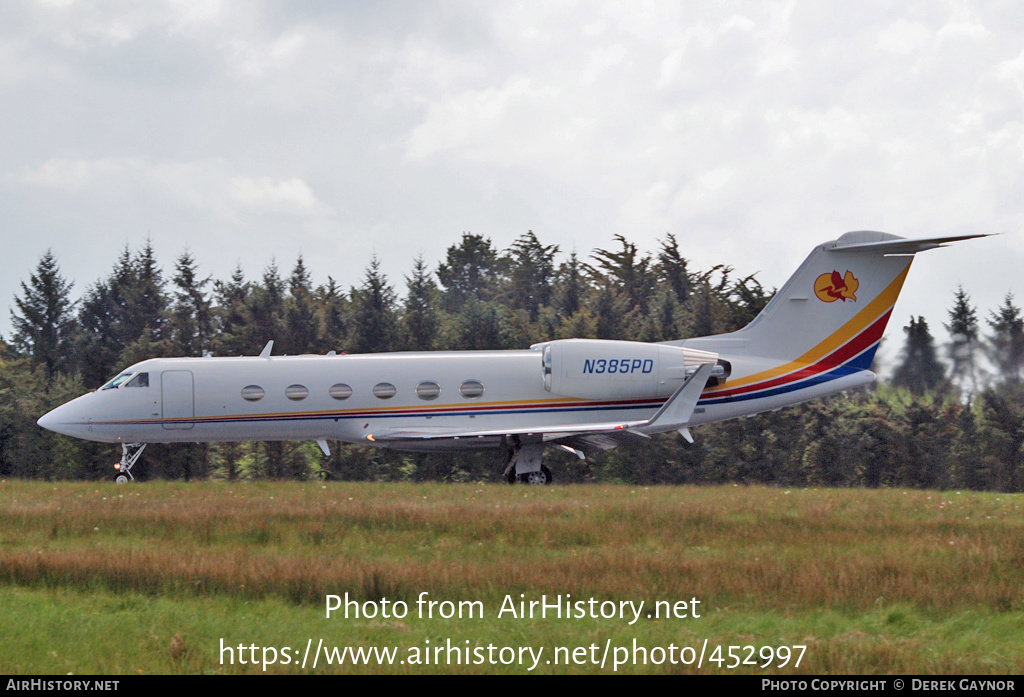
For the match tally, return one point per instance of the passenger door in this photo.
(177, 399)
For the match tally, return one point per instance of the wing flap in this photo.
(554, 432)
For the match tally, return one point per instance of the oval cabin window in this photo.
(471, 389)
(252, 393)
(384, 390)
(428, 390)
(296, 392)
(340, 391)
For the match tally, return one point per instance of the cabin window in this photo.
(340, 391)
(140, 380)
(116, 382)
(428, 390)
(252, 393)
(296, 392)
(471, 389)
(384, 390)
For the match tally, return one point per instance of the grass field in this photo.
(152, 577)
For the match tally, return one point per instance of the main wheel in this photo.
(121, 479)
(511, 476)
(542, 477)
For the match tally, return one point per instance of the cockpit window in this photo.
(140, 380)
(116, 382)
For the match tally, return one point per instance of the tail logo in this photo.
(830, 287)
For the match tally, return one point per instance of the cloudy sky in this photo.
(250, 131)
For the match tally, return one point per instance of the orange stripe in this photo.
(875, 309)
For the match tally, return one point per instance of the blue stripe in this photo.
(858, 363)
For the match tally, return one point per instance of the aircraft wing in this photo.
(674, 414)
(547, 433)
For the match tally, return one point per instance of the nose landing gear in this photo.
(130, 453)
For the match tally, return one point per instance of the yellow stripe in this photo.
(875, 309)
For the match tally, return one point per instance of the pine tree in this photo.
(532, 270)
(1002, 436)
(970, 469)
(1007, 340)
(44, 326)
(420, 319)
(191, 315)
(671, 268)
(147, 301)
(572, 286)
(630, 270)
(750, 298)
(963, 347)
(332, 306)
(477, 328)
(301, 331)
(703, 314)
(920, 370)
(660, 325)
(608, 312)
(233, 322)
(471, 269)
(264, 309)
(299, 282)
(373, 313)
(117, 311)
(98, 345)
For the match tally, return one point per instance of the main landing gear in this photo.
(523, 462)
(130, 453)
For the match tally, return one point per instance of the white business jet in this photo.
(817, 336)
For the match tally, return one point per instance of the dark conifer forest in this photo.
(950, 416)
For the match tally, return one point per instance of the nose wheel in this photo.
(130, 453)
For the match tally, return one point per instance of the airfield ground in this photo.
(161, 577)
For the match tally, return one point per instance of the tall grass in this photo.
(759, 547)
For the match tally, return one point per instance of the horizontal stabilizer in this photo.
(897, 245)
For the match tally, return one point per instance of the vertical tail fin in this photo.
(834, 309)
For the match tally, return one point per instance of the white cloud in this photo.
(254, 58)
(601, 60)
(58, 4)
(209, 184)
(190, 13)
(288, 195)
(76, 175)
(1013, 71)
(495, 124)
(772, 129)
(904, 37)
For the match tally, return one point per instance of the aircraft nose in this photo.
(48, 420)
(65, 420)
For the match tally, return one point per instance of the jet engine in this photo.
(605, 369)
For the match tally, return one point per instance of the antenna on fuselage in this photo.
(265, 353)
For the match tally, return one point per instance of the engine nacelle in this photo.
(605, 369)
